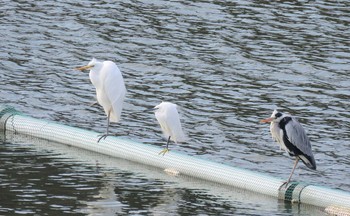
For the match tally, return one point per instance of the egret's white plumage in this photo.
(291, 136)
(110, 88)
(169, 120)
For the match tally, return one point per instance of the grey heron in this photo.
(291, 136)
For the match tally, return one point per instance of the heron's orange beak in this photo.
(84, 67)
(267, 120)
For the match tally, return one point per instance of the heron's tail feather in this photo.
(309, 161)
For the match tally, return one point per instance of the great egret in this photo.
(110, 89)
(169, 121)
(291, 136)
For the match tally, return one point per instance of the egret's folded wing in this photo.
(114, 88)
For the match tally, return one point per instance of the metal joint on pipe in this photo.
(292, 192)
(5, 113)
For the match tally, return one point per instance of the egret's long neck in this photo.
(95, 75)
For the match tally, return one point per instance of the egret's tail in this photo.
(114, 117)
(179, 137)
(116, 109)
(114, 114)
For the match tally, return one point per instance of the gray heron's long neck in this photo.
(275, 131)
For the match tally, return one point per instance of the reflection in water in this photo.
(34, 183)
(117, 187)
(227, 64)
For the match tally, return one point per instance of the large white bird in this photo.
(169, 121)
(292, 138)
(110, 89)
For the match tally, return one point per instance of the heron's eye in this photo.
(277, 115)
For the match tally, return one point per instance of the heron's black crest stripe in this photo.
(284, 122)
(277, 115)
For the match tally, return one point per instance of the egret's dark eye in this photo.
(277, 115)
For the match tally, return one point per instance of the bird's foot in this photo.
(285, 184)
(103, 136)
(164, 151)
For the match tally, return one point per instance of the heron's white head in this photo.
(92, 65)
(93, 62)
(163, 106)
(275, 117)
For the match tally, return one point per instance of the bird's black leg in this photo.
(106, 134)
(290, 176)
(167, 143)
(166, 148)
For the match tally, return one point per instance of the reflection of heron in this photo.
(169, 120)
(110, 88)
(291, 136)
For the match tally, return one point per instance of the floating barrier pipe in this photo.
(174, 162)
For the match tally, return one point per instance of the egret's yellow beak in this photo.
(267, 120)
(84, 67)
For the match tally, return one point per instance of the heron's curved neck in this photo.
(97, 67)
(95, 75)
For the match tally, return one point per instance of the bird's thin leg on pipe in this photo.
(107, 132)
(295, 165)
(166, 148)
(167, 143)
(290, 176)
(108, 117)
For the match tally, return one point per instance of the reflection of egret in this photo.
(291, 136)
(169, 120)
(110, 88)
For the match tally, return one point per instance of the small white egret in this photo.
(110, 89)
(169, 121)
(292, 138)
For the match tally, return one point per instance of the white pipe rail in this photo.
(176, 162)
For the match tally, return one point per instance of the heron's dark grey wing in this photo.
(297, 136)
